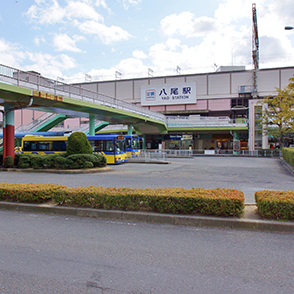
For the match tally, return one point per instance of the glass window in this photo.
(109, 146)
(26, 146)
(120, 145)
(135, 144)
(97, 145)
(43, 146)
(59, 146)
(128, 143)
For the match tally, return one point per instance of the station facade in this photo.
(210, 110)
(204, 110)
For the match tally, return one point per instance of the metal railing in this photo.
(216, 152)
(151, 155)
(35, 81)
(33, 125)
(204, 121)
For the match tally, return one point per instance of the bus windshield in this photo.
(135, 144)
(120, 146)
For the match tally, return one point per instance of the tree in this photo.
(78, 144)
(278, 113)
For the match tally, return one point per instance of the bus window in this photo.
(26, 146)
(135, 144)
(128, 143)
(59, 146)
(30, 146)
(120, 145)
(97, 145)
(43, 146)
(109, 146)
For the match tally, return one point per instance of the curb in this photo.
(148, 161)
(287, 165)
(131, 216)
(59, 171)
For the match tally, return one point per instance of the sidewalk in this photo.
(251, 220)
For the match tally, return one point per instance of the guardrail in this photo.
(151, 155)
(204, 121)
(35, 81)
(36, 122)
(214, 152)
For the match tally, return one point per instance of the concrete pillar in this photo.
(130, 129)
(92, 125)
(144, 142)
(235, 138)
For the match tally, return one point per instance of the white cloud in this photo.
(186, 24)
(39, 40)
(139, 54)
(10, 54)
(81, 14)
(81, 10)
(127, 3)
(107, 35)
(48, 65)
(63, 42)
(50, 13)
(191, 42)
(127, 66)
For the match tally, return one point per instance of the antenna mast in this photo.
(255, 49)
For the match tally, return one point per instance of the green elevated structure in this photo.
(48, 125)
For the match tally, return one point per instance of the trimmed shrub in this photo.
(60, 162)
(30, 193)
(219, 202)
(37, 161)
(86, 161)
(78, 144)
(288, 155)
(8, 161)
(24, 161)
(275, 204)
(100, 160)
(16, 159)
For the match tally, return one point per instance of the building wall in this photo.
(214, 92)
(215, 85)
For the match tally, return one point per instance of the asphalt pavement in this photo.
(248, 174)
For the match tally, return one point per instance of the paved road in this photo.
(58, 254)
(246, 174)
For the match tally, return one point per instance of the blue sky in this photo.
(69, 39)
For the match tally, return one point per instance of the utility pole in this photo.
(255, 49)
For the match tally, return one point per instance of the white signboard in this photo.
(168, 94)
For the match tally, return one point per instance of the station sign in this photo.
(180, 137)
(168, 94)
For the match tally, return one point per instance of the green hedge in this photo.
(78, 143)
(61, 161)
(275, 204)
(288, 155)
(218, 202)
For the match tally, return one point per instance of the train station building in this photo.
(216, 110)
(204, 111)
